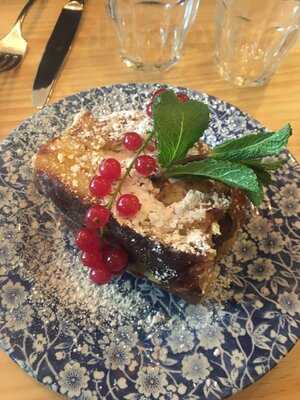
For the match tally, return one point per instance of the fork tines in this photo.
(8, 61)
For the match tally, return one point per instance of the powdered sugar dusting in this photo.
(179, 224)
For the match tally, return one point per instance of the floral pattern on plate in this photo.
(129, 339)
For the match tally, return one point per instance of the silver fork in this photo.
(13, 46)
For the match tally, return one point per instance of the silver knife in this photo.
(57, 48)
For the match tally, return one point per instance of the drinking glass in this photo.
(253, 36)
(151, 33)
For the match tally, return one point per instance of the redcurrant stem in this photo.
(128, 169)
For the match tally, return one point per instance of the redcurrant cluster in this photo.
(103, 259)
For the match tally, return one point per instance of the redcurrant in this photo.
(100, 276)
(128, 205)
(145, 165)
(87, 240)
(132, 141)
(92, 260)
(157, 92)
(100, 187)
(182, 97)
(151, 147)
(115, 258)
(110, 169)
(149, 110)
(96, 217)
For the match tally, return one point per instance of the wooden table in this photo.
(94, 61)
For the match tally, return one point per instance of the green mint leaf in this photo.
(256, 197)
(265, 166)
(178, 126)
(253, 146)
(231, 173)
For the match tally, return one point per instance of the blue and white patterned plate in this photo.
(130, 340)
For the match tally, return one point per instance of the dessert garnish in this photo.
(237, 162)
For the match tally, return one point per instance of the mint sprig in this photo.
(178, 126)
(237, 163)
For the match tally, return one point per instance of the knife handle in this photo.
(75, 5)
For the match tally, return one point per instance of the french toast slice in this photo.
(183, 227)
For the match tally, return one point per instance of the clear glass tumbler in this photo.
(253, 36)
(151, 33)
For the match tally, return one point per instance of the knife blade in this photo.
(57, 48)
